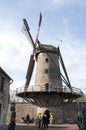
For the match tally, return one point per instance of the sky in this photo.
(61, 20)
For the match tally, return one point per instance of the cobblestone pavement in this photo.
(51, 127)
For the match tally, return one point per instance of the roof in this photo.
(45, 47)
(1, 70)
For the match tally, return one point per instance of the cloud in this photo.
(14, 53)
(68, 2)
(74, 56)
(62, 3)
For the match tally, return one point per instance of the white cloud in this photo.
(68, 1)
(53, 5)
(14, 53)
(74, 56)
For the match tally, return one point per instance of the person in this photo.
(45, 121)
(51, 118)
(27, 118)
(39, 121)
(12, 123)
(79, 122)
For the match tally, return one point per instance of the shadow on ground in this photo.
(29, 127)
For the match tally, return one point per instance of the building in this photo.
(5, 82)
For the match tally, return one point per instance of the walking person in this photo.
(45, 121)
(27, 119)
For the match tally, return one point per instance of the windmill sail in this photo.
(37, 41)
(62, 63)
(29, 71)
(27, 32)
(40, 20)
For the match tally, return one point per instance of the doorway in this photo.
(47, 112)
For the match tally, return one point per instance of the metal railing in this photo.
(42, 88)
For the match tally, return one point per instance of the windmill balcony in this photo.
(43, 97)
(57, 89)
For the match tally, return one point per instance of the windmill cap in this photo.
(46, 48)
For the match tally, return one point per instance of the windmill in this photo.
(52, 87)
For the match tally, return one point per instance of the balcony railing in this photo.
(42, 88)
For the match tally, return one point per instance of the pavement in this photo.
(51, 127)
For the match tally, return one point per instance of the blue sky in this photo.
(62, 20)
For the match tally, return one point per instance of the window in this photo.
(46, 59)
(46, 86)
(2, 84)
(46, 70)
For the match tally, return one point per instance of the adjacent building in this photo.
(5, 82)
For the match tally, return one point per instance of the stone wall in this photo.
(47, 72)
(64, 113)
(22, 109)
(4, 98)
